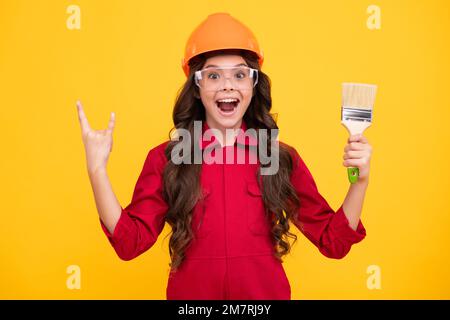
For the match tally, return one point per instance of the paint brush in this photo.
(356, 113)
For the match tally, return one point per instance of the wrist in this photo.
(96, 172)
(363, 182)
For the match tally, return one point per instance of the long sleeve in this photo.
(142, 221)
(327, 229)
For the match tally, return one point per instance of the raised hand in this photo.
(97, 143)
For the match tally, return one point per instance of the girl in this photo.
(230, 221)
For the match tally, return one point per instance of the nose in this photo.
(228, 85)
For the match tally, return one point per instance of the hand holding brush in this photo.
(357, 154)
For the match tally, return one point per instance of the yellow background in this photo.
(126, 58)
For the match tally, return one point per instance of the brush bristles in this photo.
(358, 95)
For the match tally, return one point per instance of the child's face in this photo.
(215, 116)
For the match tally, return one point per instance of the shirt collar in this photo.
(241, 138)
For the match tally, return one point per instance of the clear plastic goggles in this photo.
(214, 78)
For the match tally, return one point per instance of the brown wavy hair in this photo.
(182, 187)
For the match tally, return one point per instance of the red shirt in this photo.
(231, 255)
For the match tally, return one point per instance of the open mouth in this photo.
(227, 106)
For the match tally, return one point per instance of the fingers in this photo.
(354, 154)
(356, 146)
(356, 163)
(112, 121)
(357, 142)
(82, 118)
(357, 138)
(357, 152)
(84, 123)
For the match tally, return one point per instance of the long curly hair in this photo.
(181, 182)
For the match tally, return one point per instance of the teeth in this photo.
(228, 100)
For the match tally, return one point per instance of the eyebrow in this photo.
(238, 65)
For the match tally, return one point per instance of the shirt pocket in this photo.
(201, 225)
(257, 222)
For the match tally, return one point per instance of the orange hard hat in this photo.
(220, 31)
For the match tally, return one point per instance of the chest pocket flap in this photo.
(257, 221)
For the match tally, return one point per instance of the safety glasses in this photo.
(214, 78)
